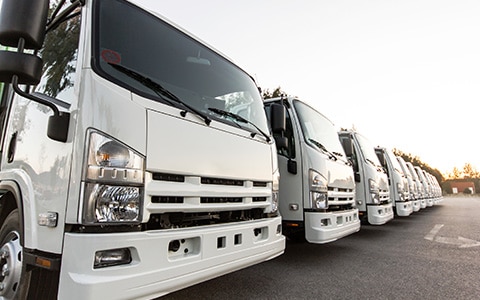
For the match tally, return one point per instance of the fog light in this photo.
(112, 257)
(325, 222)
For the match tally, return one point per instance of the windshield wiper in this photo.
(160, 91)
(372, 162)
(322, 147)
(239, 118)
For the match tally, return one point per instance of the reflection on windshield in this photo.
(393, 159)
(59, 56)
(189, 70)
(318, 130)
(368, 150)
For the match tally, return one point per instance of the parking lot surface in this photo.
(431, 254)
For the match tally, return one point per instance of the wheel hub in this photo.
(10, 266)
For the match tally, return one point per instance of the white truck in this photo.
(412, 185)
(372, 192)
(421, 188)
(398, 183)
(426, 185)
(135, 159)
(317, 191)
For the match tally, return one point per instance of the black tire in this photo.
(14, 280)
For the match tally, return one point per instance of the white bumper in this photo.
(416, 205)
(206, 252)
(379, 214)
(404, 209)
(423, 203)
(327, 227)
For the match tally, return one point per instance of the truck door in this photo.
(291, 183)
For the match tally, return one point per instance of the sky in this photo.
(404, 73)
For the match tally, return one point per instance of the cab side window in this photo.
(289, 152)
(59, 55)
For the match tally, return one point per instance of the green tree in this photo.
(456, 173)
(59, 55)
(469, 171)
(266, 94)
(415, 160)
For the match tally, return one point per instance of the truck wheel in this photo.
(14, 281)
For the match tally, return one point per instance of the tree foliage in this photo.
(266, 94)
(58, 54)
(416, 161)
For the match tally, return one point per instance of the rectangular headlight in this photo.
(112, 204)
(113, 182)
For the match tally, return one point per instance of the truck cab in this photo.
(372, 190)
(317, 190)
(421, 188)
(426, 185)
(397, 180)
(135, 159)
(412, 185)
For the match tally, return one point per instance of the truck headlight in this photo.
(113, 183)
(400, 192)
(374, 191)
(275, 190)
(318, 191)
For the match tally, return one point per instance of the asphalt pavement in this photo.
(431, 254)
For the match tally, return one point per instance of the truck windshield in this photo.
(368, 151)
(393, 159)
(129, 38)
(318, 130)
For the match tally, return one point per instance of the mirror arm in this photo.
(17, 89)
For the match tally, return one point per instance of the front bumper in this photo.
(404, 209)
(430, 202)
(423, 203)
(204, 253)
(379, 214)
(416, 205)
(325, 227)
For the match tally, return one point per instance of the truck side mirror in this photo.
(27, 67)
(23, 19)
(347, 146)
(278, 118)
(23, 26)
(381, 158)
(292, 167)
(278, 123)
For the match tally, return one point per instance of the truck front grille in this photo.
(204, 199)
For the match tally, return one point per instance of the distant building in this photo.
(462, 187)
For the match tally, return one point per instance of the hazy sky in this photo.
(405, 73)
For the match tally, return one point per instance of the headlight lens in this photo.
(318, 191)
(374, 191)
(110, 203)
(112, 154)
(400, 191)
(275, 189)
(113, 182)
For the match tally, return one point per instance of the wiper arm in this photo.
(323, 148)
(340, 156)
(372, 162)
(238, 118)
(160, 91)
